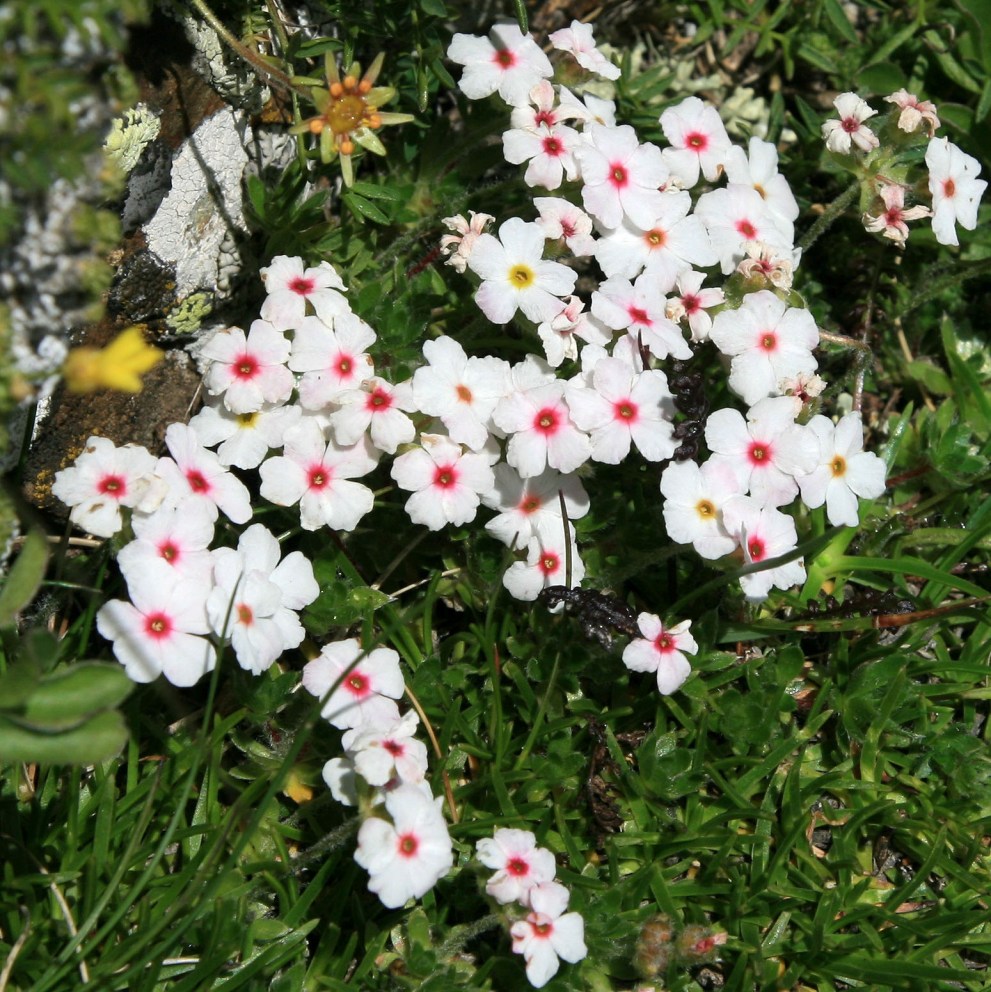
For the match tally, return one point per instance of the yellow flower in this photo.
(349, 113)
(119, 365)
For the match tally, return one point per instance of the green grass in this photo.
(819, 791)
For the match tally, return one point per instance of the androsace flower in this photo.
(913, 112)
(519, 864)
(661, 650)
(546, 562)
(244, 439)
(698, 141)
(407, 857)
(548, 933)
(388, 755)
(332, 359)
(459, 245)
(758, 167)
(690, 302)
(248, 370)
(693, 500)
(561, 219)
(290, 287)
(179, 536)
(579, 42)
(890, 221)
(367, 682)
(955, 188)
(102, 480)
(119, 365)
(850, 128)
(763, 533)
(508, 61)
(378, 408)
(549, 150)
(515, 275)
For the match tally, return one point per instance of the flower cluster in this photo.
(950, 186)
(524, 874)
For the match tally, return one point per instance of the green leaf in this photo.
(73, 694)
(839, 21)
(24, 578)
(95, 740)
(436, 8)
(979, 12)
(882, 77)
(374, 192)
(930, 376)
(17, 684)
(365, 208)
(948, 63)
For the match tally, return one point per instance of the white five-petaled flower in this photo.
(661, 650)
(160, 631)
(621, 177)
(317, 474)
(385, 756)
(850, 128)
(407, 857)
(690, 302)
(561, 219)
(290, 288)
(515, 275)
(244, 439)
(446, 483)
(698, 141)
(378, 407)
(179, 536)
(758, 167)
(508, 61)
(546, 562)
(362, 684)
(248, 370)
(459, 245)
(693, 500)
(102, 480)
(914, 112)
(955, 188)
(548, 933)
(519, 864)
(890, 222)
(768, 341)
(845, 471)
(257, 596)
(332, 359)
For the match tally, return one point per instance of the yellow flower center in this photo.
(705, 509)
(247, 419)
(521, 276)
(838, 466)
(346, 113)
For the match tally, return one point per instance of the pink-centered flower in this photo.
(407, 857)
(317, 474)
(459, 244)
(160, 631)
(102, 480)
(578, 41)
(362, 685)
(516, 277)
(446, 483)
(548, 933)
(691, 302)
(736, 215)
(768, 342)
(955, 188)
(179, 536)
(387, 756)
(248, 370)
(764, 534)
(378, 408)
(290, 288)
(560, 219)
(508, 62)
(639, 308)
(891, 221)
(758, 167)
(519, 864)
(332, 359)
(914, 113)
(621, 177)
(244, 439)
(625, 407)
(548, 150)
(546, 564)
(698, 141)
(850, 129)
(661, 650)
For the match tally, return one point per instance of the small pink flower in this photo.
(891, 221)
(332, 359)
(698, 141)
(290, 288)
(518, 863)
(548, 933)
(579, 42)
(661, 650)
(248, 370)
(561, 219)
(914, 112)
(691, 302)
(508, 61)
(459, 245)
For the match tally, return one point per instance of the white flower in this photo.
(367, 682)
(763, 533)
(578, 41)
(561, 219)
(518, 863)
(698, 141)
(459, 245)
(546, 563)
(955, 188)
(758, 167)
(377, 407)
(332, 359)
(549, 150)
(257, 596)
(891, 221)
(386, 755)
(737, 214)
(693, 500)
(179, 536)
(290, 288)
(845, 471)
(515, 276)
(244, 438)
(850, 128)
(446, 483)
(661, 650)
(690, 303)
(159, 632)
(511, 62)
(407, 857)
(102, 480)
(548, 933)
(914, 112)
(248, 371)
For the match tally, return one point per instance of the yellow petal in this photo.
(119, 365)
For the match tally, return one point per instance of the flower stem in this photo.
(829, 215)
(276, 76)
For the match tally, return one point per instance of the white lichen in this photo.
(204, 206)
(130, 134)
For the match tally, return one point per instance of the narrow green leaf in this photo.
(365, 208)
(839, 21)
(73, 694)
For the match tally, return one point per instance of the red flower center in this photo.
(638, 316)
(518, 867)
(158, 626)
(245, 366)
(530, 504)
(759, 454)
(394, 748)
(197, 481)
(567, 229)
(319, 477)
(302, 286)
(664, 642)
(691, 303)
(549, 563)
(245, 614)
(949, 188)
(357, 684)
(168, 551)
(112, 485)
(407, 845)
(379, 400)
(345, 364)
(850, 124)
(547, 420)
(504, 58)
(618, 175)
(445, 476)
(625, 410)
(544, 117)
(696, 141)
(464, 393)
(747, 229)
(542, 929)
(769, 341)
(755, 546)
